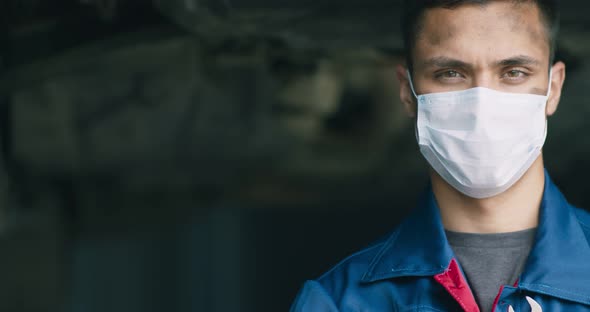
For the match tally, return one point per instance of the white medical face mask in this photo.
(479, 140)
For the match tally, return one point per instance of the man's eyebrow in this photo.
(519, 60)
(446, 62)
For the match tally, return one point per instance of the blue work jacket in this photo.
(414, 268)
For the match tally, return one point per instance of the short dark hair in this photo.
(414, 10)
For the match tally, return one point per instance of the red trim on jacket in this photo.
(500, 293)
(453, 281)
(497, 298)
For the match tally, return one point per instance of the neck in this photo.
(514, 210)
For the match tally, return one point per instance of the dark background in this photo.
(212, 155)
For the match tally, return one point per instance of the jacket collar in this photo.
(557, 264)
(418, 247)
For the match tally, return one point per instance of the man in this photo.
(492, 233)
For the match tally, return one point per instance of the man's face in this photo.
(501, 45)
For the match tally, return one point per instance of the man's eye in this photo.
(449, 74)
(514, 74)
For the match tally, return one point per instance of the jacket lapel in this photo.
(417, 248)
(559, 263)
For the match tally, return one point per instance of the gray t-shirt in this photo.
(491, 260)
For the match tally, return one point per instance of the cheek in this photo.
(537, 91)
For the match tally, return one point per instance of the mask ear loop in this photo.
(548, 84)
(416, 96)
(411, 83)
(548, 94)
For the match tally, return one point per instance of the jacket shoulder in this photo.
(583, 217)
(342, 287)
(347, 275)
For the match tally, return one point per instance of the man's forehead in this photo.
(480, 35)
(441, 25)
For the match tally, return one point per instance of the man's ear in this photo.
(405, 93)
(557, 79)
